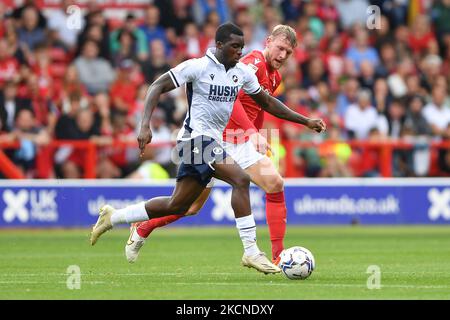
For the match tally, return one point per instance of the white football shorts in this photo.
(244, 154)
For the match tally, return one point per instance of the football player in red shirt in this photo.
(246, 145)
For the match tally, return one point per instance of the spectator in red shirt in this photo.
(123, 90)
(307, 42)
(2, 19)
(327, 11)
(331, 32)
(43, 107)
(421, 39)
(9, 66)
(370, 157)
(40, 66)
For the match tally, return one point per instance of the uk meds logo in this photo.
(30, 205)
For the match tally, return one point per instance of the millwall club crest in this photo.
(217, 150)
(235, 78)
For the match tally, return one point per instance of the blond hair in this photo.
(286, 31)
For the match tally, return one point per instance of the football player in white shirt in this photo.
(212, 84)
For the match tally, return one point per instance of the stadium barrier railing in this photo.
(45, 156)
(384, 149)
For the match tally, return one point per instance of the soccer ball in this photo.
(297, 263)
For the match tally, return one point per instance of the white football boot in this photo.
(103, 223)
(134, 244)
(260, 263)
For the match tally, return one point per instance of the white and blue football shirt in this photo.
(211, 92)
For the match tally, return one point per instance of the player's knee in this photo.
(276, 184)
(242, 181)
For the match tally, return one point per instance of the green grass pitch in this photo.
(204, 263)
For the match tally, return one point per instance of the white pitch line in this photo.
(6, 275)
(302, 283)
(47, 282)
(151, 274)
(315, 285)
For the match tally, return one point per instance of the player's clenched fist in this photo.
(144, 137)
(317, 125)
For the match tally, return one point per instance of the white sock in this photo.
(130, 214)
(247, 231)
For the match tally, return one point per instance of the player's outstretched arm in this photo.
(161, 85)
(280, 110)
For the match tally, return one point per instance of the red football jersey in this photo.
(247, 114)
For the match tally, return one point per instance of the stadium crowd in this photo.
(386, 83)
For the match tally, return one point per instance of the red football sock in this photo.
(145, 228)
(276, 219)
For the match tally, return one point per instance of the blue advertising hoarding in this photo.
(61, 203)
